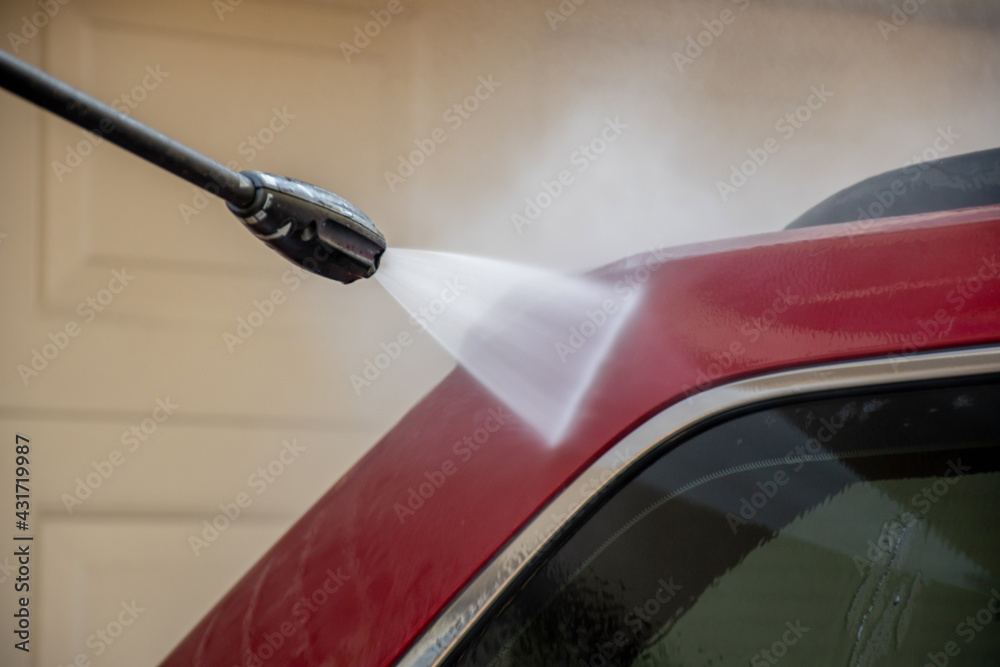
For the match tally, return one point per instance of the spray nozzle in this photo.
(316, 229)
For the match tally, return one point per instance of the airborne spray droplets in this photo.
(534, 338)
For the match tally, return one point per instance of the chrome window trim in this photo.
(437, 641)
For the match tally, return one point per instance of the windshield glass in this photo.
(854, 531)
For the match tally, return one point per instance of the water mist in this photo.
(512, 327)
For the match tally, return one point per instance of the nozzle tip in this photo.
(313, 228)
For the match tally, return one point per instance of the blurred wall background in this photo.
(681, 91)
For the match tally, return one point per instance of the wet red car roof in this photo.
(357, 578)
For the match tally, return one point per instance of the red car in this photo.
(791, 454)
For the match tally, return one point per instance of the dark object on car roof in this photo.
(962, 181)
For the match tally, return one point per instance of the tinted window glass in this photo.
(855, 531)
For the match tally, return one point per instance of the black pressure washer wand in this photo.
(312, 227)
